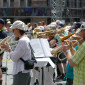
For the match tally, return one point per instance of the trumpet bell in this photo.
(66, 37)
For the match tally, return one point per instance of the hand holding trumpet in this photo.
(6, 47)
(66, 45)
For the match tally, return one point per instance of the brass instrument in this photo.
(56, 50)
(59, 48)
(51, 33)
(40, 34)
(63, 29)
(35, 31)
(8, 40)
(66, 37)
(45, 33)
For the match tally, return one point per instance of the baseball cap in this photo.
(82, 27)
(2, 21)
(77, 25)
(19, 25)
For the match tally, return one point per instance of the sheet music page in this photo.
(37, 48)
(46, 47)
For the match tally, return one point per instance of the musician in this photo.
(22, 50)
(57, 23)
(78, 59)
(52, 41)
(3, 34)
(76, 26)
(73, 27)
(8, 25)
(43, 24)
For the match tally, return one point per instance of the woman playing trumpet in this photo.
(22, 50)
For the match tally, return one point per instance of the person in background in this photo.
(22, 50)
(8, 26)
(43, 24)
(3, 35)
(57, 23)
(29, 27)
(75, 26)
(61, 64)
(8, 29)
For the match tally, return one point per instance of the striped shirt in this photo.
(79, 70)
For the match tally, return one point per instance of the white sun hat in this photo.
(19, 25)
(82, 27)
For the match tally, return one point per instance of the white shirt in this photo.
(22, 50)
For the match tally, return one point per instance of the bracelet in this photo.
(67, 50)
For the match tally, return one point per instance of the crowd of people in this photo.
(70, 60)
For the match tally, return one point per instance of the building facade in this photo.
(26, 10)
(42, 10)
(75, 10)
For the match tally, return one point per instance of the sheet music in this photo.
(41, 62)
(41, 47)
(36, 45)
(46, 47)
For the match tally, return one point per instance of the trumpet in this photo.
(59, 48)
(66, 37)
(45, 34)
(8, 40)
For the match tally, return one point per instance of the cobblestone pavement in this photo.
(8, 78)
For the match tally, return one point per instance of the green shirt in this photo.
(79, 70)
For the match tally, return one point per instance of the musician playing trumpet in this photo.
(21, 76)
(52, 41)
(78, 59)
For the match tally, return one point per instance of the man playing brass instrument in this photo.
(52, 41)
(3, 34)
(78, 59)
